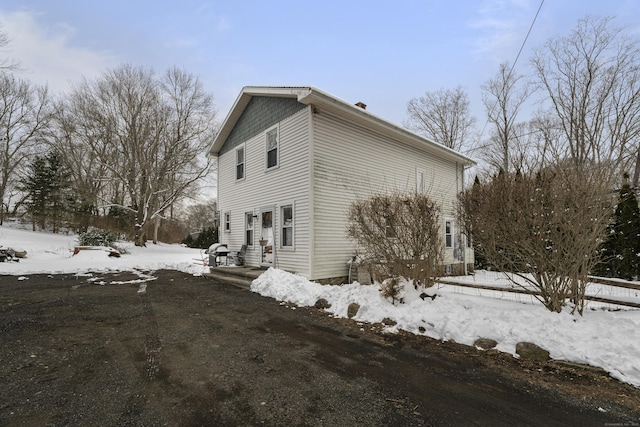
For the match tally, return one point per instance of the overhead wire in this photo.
(524, 42)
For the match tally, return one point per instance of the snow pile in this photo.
(608, 339)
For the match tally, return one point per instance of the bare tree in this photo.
(503, 97)
(442, 115)
(25, 113)
(592, 78)
(149, 134)
(200, 216)
(542, 229)
(80, 140)
(399, 236)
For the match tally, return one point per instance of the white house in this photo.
(292, 159)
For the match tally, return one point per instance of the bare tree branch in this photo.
(442, 116)
(25, 114)
(592, 79)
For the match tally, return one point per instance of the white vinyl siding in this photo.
(287, 184)
(324, 163)
(354, 162)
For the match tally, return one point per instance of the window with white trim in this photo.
(227, 222)
(448, 233)
(286, 221)
(248, 228)
(420, 187)
(240, 163)
(389, 229)
(272, 145)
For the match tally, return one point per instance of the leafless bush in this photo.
(544, 228)
(398, 235)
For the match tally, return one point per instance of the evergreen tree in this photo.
(478, 253)
(47, 185)
(35, 184)
(59, 194)
(621, 251)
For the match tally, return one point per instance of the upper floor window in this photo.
(272, 148)
(240, 163)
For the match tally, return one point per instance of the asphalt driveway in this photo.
(103, 350)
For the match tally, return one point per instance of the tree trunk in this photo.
(156, 226)
(140, 236)
(636, 173)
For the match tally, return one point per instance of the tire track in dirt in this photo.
(152, 347)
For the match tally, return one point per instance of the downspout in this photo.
(464, 243)
(311, 194)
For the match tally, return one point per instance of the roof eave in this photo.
(309, 95)
(241, 103)
(362, 116)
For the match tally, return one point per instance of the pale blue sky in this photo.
(382, 53)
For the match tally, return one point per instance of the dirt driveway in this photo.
(190, 351)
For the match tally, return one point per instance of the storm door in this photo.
(266, 237)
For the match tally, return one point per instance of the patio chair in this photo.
(239, 258)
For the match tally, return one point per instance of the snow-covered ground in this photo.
(608, 339)
(53, 253)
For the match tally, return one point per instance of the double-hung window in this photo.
(389, 229)
(248, 228)
(448, 233)
(240, 163)
(286, 215)
(272, 148)
(227, 222)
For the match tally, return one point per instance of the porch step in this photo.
(237, 276)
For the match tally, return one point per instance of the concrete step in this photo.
(239, 281)
(238, 276)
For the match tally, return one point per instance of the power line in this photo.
(524, 42)
(526, 37)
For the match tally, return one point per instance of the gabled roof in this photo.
(310, 95)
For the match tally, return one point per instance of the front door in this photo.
(266, 236)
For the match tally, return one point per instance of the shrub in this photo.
(398, 235)
(98, 237)
(206, 238)
(544, 228)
